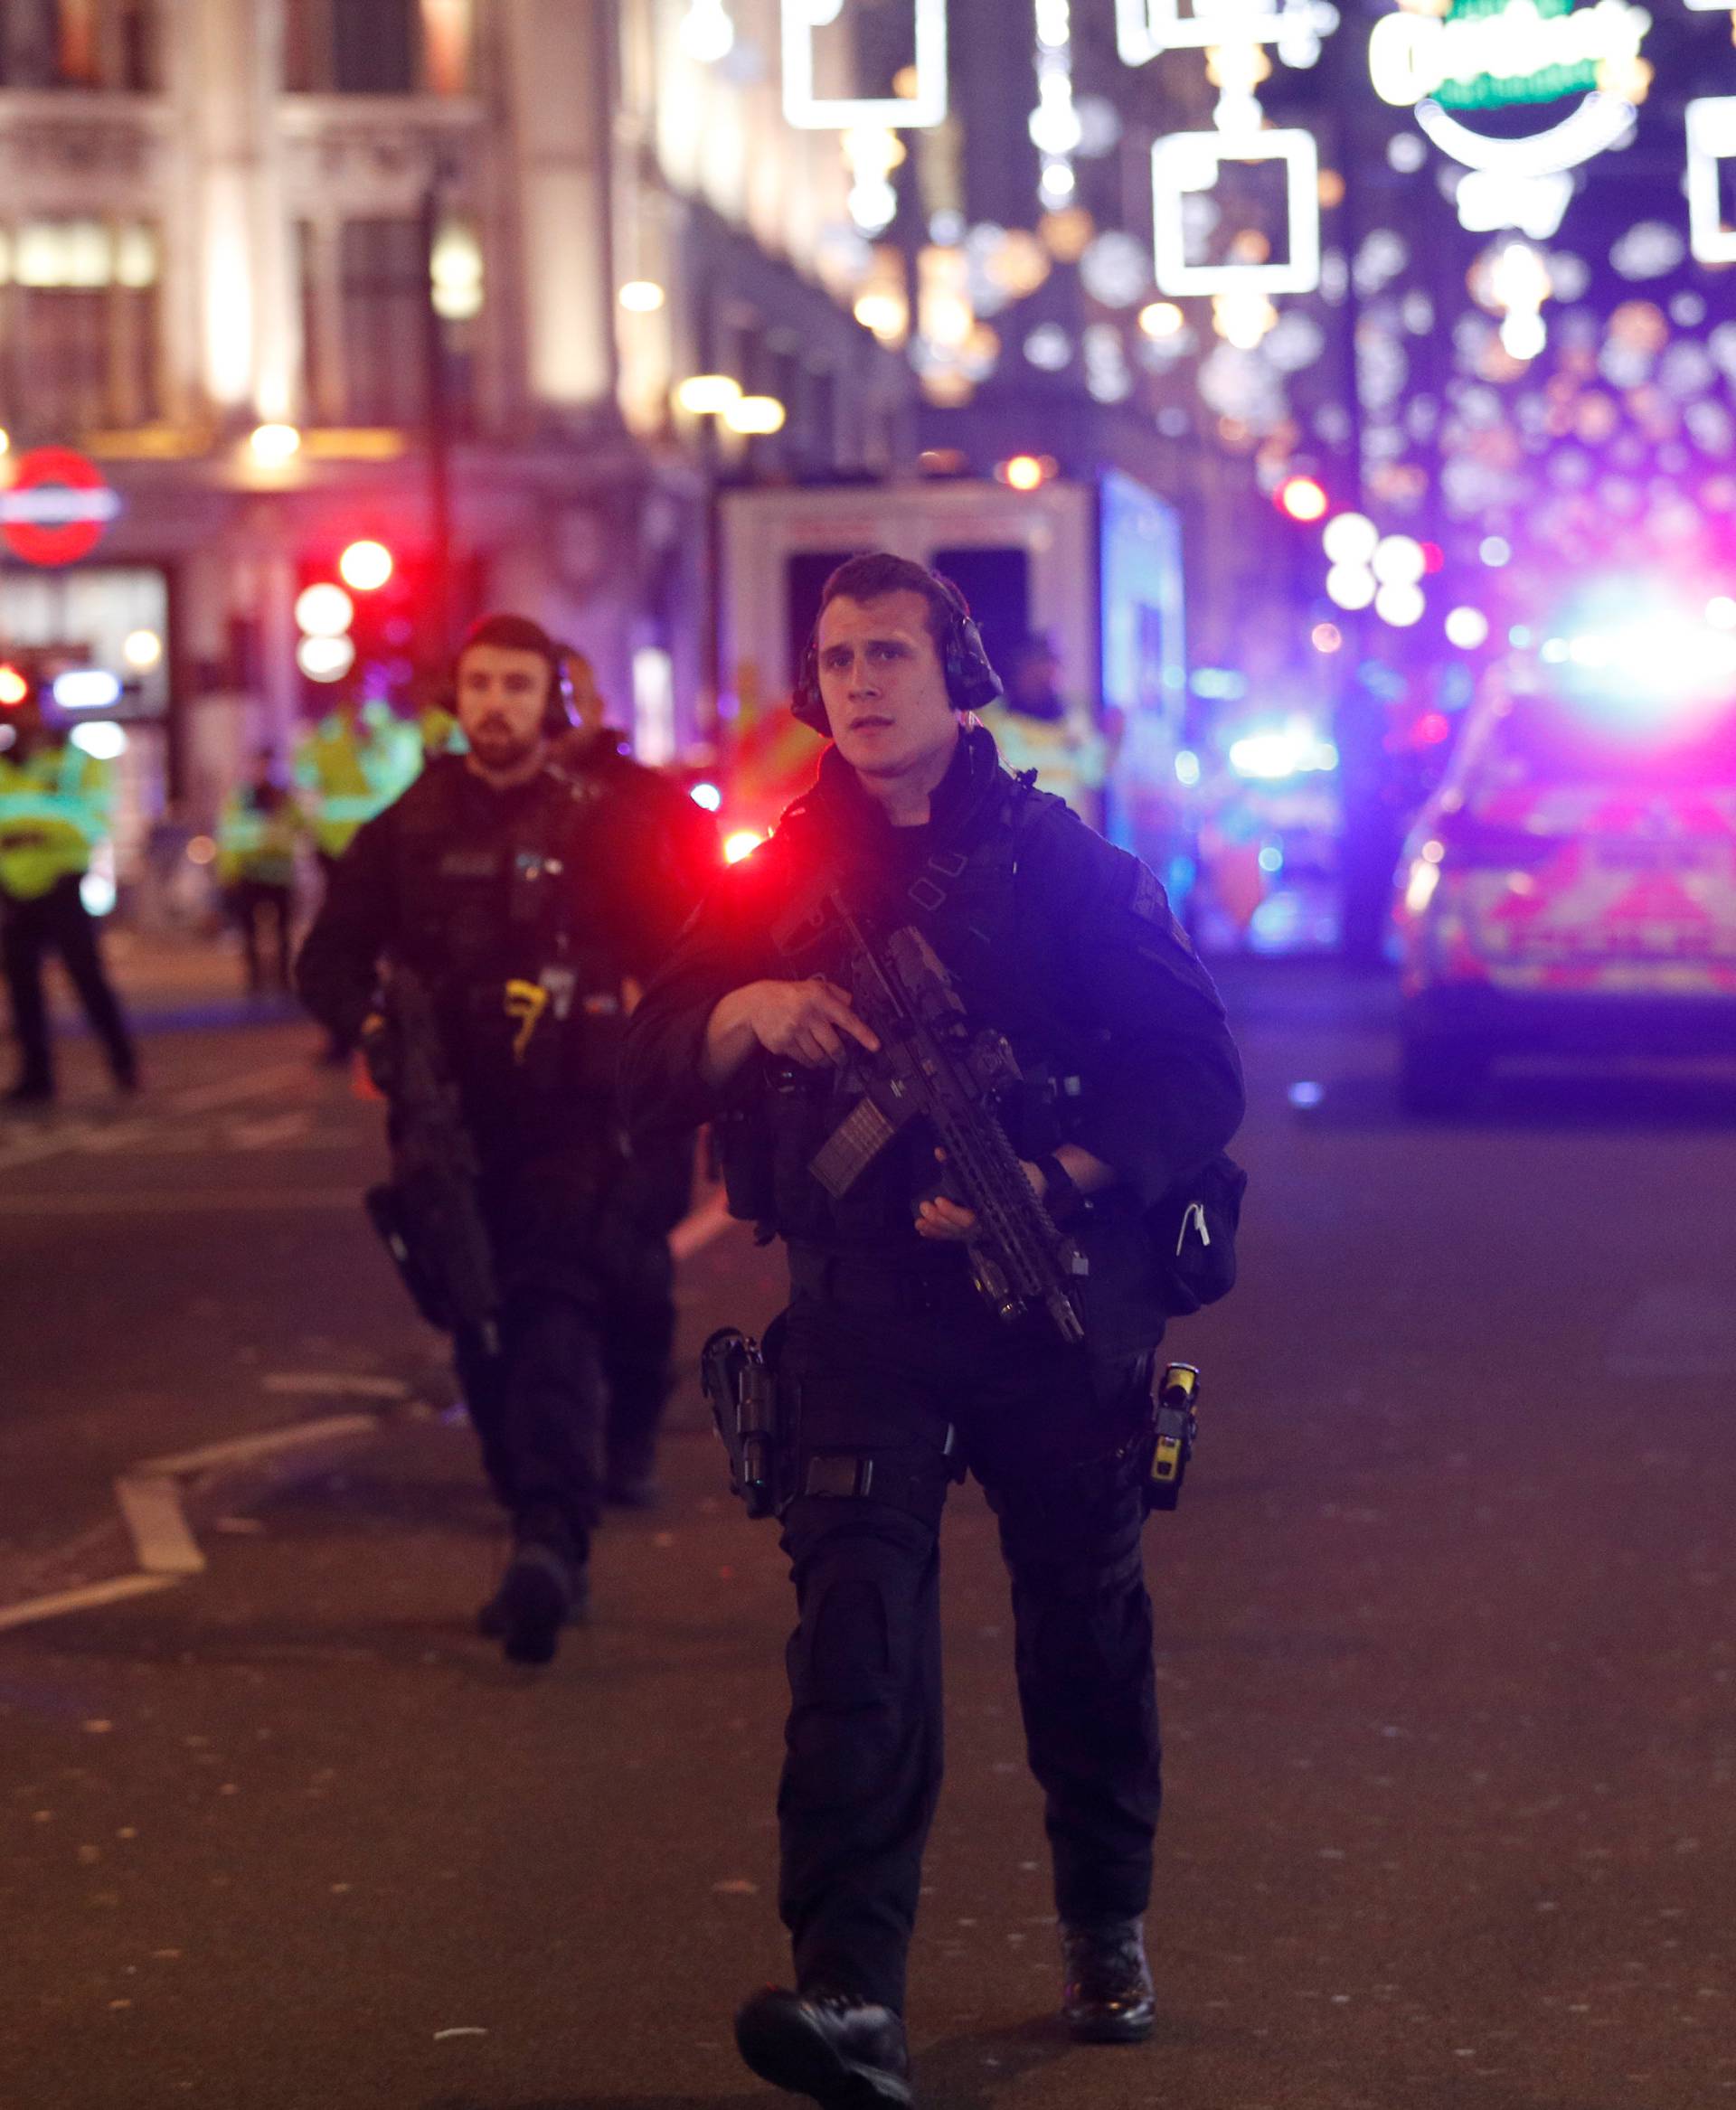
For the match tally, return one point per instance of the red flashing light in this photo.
(14, 688)
(1302, 499)
(1431, 730)
(1433, 558)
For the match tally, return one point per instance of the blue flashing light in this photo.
(1218, 684)
(1187, 767)
(86, 688)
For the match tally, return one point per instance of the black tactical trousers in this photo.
(586, 1320)
(59, 921)
(254, 904)
(537, 1407)
(878, 1383)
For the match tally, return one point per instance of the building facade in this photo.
(291, 274)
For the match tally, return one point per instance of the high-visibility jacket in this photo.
(54, 810)
(349, 772)
(257, 843)
(1068, 754)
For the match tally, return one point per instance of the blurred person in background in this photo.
(348, 768)
(55, 802)
(256, 836)
(1035, 728)
(640, 1333)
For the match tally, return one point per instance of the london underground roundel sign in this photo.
(56, 506)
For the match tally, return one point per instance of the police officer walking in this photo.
(524, 902)
(893, 1375)
(54, 810)
(639, 1330)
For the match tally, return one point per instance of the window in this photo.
(79, 343)
(378, 47)
(78, 43)
(367, 285)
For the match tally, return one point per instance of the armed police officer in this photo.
(892, 1375)
(515, 908)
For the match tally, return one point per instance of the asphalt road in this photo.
(1447, 1645)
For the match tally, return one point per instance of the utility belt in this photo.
(758, 1415)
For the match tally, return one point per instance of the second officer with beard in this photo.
(527, 901)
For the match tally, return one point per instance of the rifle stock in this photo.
(428, 1213)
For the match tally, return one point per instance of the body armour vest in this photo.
(964, 899)
(497, 906)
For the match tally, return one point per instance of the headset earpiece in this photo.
(806, 704)
(965, 667)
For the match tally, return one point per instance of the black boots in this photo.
(1108, 1997)
(843, 2053)
(540, 1593)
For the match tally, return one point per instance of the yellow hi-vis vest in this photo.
(351, 772)
(256, 845)
(54, 810)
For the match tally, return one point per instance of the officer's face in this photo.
(879, 676)
(502, 694)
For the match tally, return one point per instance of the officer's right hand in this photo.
(806, 1021)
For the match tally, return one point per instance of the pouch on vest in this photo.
(1192, 1230)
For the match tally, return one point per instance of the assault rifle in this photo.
(930, 1064)
(428, 1213)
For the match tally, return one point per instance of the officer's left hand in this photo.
(950, 1222)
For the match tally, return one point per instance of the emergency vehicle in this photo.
(1095, 567)
(1570, 887)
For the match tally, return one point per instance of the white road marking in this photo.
(708, 1222)
(86, 1598)
(230, 1091)
(149, 1495)
(162, 1541)
(188, 1202)
(335, 1383)
(241, 1450)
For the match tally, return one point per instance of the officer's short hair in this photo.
(872, 576)
(514, 633)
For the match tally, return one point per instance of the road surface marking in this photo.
(150, 1507)
(229, 1091)
(86, 1598)
(241, 1450)
(335, 1383)
(708, 1222)
(189, 1201)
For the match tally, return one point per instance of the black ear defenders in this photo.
(971, 681)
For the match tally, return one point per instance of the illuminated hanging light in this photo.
(923, 106)
(326, 659)
(707, 33)
(755, 415)
(641, 297)
(142, 650)
(1055, 128)
(324, 610)
(1399, 561)
(273, 444)
(1350, 538)
(1351, 585)
(708, 395)
(1162, 319)
(1302, 498)
(1399, 603)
